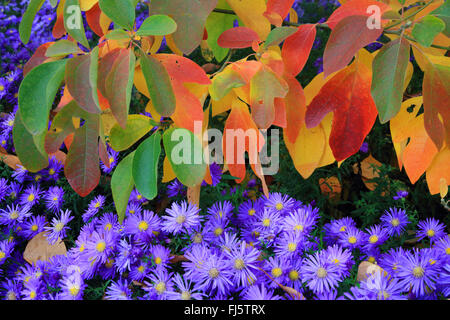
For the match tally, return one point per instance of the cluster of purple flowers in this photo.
(224, 252)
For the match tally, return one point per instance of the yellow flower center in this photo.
(336, 261)
(109, 263)
(343, 228)
(160, 287)
(321, 272)
(180, 219)
(432, 261)
(74, 290)
(418, 272)
(2, 87)
(251, 212)
(101, 246)
(158, 260)
(34, 227)
(292, 246)
(11, 295)
(373, 238)
(276, 272)
(430, 233)
(139, 197)
(352, 240)
(97, 204)
(185, 295)
(383, 294)
(198, 238)
(14, 215)
(51, 171)
(239, 264)
(59, 226)
(32, 294)
(30, 197)
(141, 269)
(213, 272)
(2, 255)
(37, 178)
(108, 226)
(111, 160)
(266, 222)
(447, 250)
(298, 227)
(143, 226)
(371, 259)
(55, 199)
(218, 231)
(279, 206)
(293, 275)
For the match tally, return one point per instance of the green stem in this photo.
(409, 16)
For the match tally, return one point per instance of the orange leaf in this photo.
(297, 47)
(277, 11)
(237, 38)
(295, 108)
(330, 187)
(438, 173)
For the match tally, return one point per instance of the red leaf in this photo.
(277, 11)
(188, 108)
(104, 67)
(347, 94)
(295, 108)
(280, 113)
(350, 35)
(82, 163)
(93, 20)
(252, 142)
(354, 7)
(237, 38)
(37, 58)
(182, 69)
(297, 47)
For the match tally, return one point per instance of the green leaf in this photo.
(185, 154)
(29, 149)
(53, 3)
(216, 24)
(73, 22)
(427, 29)
(27, 20)
(37, 93)
(159, 85)
(443, 13)
(278, 35)
(389, 69)
(121, 12)
(62, 48)
(157, 25)
(81, 80)
(117, 34)
(145, 166)
(137, 127)
(122, 184)
(190, 16)
(119, 84)
(82, 163)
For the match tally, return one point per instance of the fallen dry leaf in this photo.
(193, 195)
(38, 248)
(331, 187)
(366, 268)
(10, 160)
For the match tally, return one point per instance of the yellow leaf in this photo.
(251, 13)
(86, 5)
(401, 124)
(223, 104)
(172, 46)
(150, 108)
(308, 149)
(168, 174)
(327, 157)
(293, 16)
(139, 82)
(443, 187)
(438, 171)
(108, 120)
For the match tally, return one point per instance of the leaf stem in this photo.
(408, 16)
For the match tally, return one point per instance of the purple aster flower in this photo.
(160, 256)
(14, 189)
(215, 274)
(289, 244)
(375, 236)
(281, 203)
(328, 295)
(337, 227)
(161, 283)
(54, 199)
(133, 208)
(320, 274)
(7, 123)
(364, 147)
(243, 259)
(6, 248)
(186, 290)
(395, 220)
(293, 274)
(112, 158)
(184, 216)
(139, 271)
(301, 221)
(430, 228)
(342, 258)
(277, 267)
(416, 273)
(390, 260)
(124, 258)
(176, 188)
(72, 287)
(247, 211)
(268, 222)
(32, 290)
(221, 210)
(383, 286)
(3, 188)
(58, 227)
(13, 215)
(351, 238)
(33, 227)
(94, 207)
(20, 174)
(11, 289)
(142, 225)
(54, 169)
(259, 292)
(443, 247)
(118, 290)
(444, 281)
(99, 247)
(30, 196)
(214, 229)
(227, 241)
(109, 223)
(216, 173)
(137, 197)
(401, 194)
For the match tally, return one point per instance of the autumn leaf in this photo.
(354, 8)
(251, 12)
(347, 94)
(297, 47)
(295, 108)
(277, 11)
(438, 174)
(39, 249)
(237, 38)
